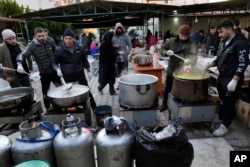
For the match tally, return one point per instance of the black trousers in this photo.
(168, 88)
(119, 68)
(22, 81)
(227, 110)
(92, 100)
(46, 79)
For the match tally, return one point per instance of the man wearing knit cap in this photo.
(73, 60)
(42, 49)
(182, 46)
(9, 50)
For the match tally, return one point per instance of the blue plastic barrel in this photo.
(33, 163)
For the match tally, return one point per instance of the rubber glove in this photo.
(20, 68)
(121, 52)
(232, 85)
(170, 52)
(89, 75)
(59, 72)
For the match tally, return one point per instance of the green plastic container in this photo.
(33, 163)
(102, 112)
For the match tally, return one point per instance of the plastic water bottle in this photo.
(155, 60)
(35, 67)
(70, 119)
(72, 129)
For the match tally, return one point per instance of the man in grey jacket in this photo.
(121, 42)
(9, 50)
(42, 48)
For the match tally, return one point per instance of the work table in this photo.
(151, 70)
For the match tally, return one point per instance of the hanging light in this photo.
(196, 19)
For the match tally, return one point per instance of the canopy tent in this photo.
(98, 13)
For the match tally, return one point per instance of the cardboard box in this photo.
(243, 112)
(213, 96)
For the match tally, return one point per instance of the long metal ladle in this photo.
(186, 61)
(33, 77)
(65, 85)
(11, 69)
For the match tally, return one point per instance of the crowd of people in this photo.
(227, 41)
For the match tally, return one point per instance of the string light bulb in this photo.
(196, 19)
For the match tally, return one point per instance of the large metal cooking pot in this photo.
(143, 60)
(190, 87)
(138, 90)
(16, 97)
(77, 95)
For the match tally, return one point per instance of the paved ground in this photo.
(198, 133)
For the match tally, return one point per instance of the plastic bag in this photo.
(175, 150)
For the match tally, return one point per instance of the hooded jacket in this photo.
(124, 40)
(107, 59)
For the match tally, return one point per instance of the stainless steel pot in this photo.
(138, 90)
(77, 95)
(16, 97)
(143, 60)
(190, 87)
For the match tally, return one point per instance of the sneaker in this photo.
(163, 107)
(215, 123)
(221, 131)
(100, 92)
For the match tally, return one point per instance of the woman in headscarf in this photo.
(107, 60)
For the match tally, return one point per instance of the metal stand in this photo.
(191, 112)
(57, 116)
(19, 116)
(141, 117)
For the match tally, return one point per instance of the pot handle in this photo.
(138, 89)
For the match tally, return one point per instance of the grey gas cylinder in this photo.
(114, 149)
(32, 142)
(74, 145)
(5, 154)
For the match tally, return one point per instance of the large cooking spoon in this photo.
(65, 85)
(203, 73)
(186, 61)
(11, 69)
(34, 77)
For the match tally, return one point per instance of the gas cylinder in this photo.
(5, 154)
(74, 146)
(115, 148)
(32, 142)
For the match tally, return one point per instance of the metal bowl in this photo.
(75, 96)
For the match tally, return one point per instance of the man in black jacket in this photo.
(72, 60)
(42, 48)
(232, 61)
(212, 41)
